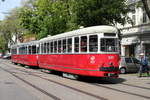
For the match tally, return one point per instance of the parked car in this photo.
(7, 57)
(129, 64)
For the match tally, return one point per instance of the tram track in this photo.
(98, 85)
(32, 85)
(118, 90)
(58, 83)
(131, 85)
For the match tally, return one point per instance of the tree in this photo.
(49, 17)
(46, 17)
(100, 12)
(146, 4)
(3, 44)
(10, 29)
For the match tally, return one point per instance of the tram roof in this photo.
(83, 31)
(26, 43)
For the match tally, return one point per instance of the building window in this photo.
(133, 13)
(145, 18)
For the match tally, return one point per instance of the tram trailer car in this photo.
(91, 51)
(25, 53)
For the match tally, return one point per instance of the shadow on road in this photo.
(102, 80)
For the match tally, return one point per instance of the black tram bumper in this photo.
(109, 69)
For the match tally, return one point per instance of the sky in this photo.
(7, 6)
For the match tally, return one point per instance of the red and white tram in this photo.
(25, 53)
(92, 51)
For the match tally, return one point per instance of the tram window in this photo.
(83, 44)
(59, 46)
(42, 48)
(55, 46)
(30, 49)
(109, 45)
(26, 50)
(93, 43)
(69, 45)
(22, 50)
(64, 46)
(37, 49)
(19, 50)
(52, 46)
(14, 51)
(34, 49)
(76, 44)
(47, 47)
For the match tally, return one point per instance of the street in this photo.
(23, 83)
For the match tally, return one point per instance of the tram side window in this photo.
(23, 50)
(19, 50)
(55, 46)
(30, 49)
(34, 49)
(83, 44)
(47, 46)
(93, 43)
(52, 46)
(37, 49)
(44, 48)
(64, 46)
(69, 41)
(109, 45)
(76, 44)
(59, 46)
(14, 51)
(41, 48)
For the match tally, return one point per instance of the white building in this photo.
(136, 38)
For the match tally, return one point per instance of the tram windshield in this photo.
(108, 45)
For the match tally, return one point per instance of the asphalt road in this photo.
(23, 83)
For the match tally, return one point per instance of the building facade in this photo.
(135, 39)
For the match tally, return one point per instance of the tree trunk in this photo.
(146, 7)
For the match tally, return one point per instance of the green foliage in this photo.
(99, 12)
(48, 17)
(3, 44)
(10, 27)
